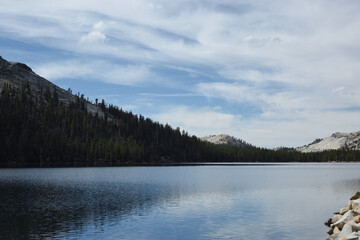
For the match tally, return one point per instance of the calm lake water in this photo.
(191, 202)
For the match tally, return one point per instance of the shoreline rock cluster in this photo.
(345, 224)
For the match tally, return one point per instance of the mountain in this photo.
(44, 125)
(284, 149)
(224, 139)
(346, 141)
(17, 74)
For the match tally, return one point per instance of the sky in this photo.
(273, 73)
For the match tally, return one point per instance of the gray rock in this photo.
(348, 229)
(349, 205)
(336, 230)
(224, 139)
(345, 225)
(348, 216)
(333, 237)
(336, 218)
(344, 210)
(352, 237)
(355, 204)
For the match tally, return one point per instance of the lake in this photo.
(284, 201)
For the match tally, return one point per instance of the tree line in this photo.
(37, 129)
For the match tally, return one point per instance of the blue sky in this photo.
(273, 73)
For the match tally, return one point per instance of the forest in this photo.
(37, 129)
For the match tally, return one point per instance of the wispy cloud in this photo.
(295, 60)
(197, 121)
(95, 35)
(103, 71)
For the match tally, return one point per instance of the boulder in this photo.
(349, 205)
(328, 222)
(348, 229)
(355, 204)
(352, 236)
(348, 216)
(336, 218)
(344, 210)
(355, 196)
(345, 225)
(333, 237)
(336, 230)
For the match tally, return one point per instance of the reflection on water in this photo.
(192, 202)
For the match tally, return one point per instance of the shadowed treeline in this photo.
(37, 129)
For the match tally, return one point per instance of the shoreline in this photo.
(345, 224)
(166, 164)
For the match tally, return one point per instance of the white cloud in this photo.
(240, 50)
(128, 75)
(260, 41)
(108, 72)
(93, 37)
(232, 92)
(237, 73)
(96, 35)
(154, 5)
(58, 70)
(197, 121)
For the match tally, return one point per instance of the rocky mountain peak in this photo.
(226, 140)
(14, 66)
(336, 141)
(20, 66)
(16, 74)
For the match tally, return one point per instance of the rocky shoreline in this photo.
(345, 224)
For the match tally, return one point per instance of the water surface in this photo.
(192, 202)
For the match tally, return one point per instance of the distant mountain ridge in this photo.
(346, 141)
(226, 140)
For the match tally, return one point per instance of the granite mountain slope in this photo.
(224, 139)
(16, 74)
(346, 141)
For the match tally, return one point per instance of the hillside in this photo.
(44, 125)
(347, 141)
(16, 74)
(226, 140)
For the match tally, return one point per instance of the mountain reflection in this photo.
(194, 202)
(38, 210)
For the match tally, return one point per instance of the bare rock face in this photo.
(226, 140)
(336, 141)
(16, 74)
